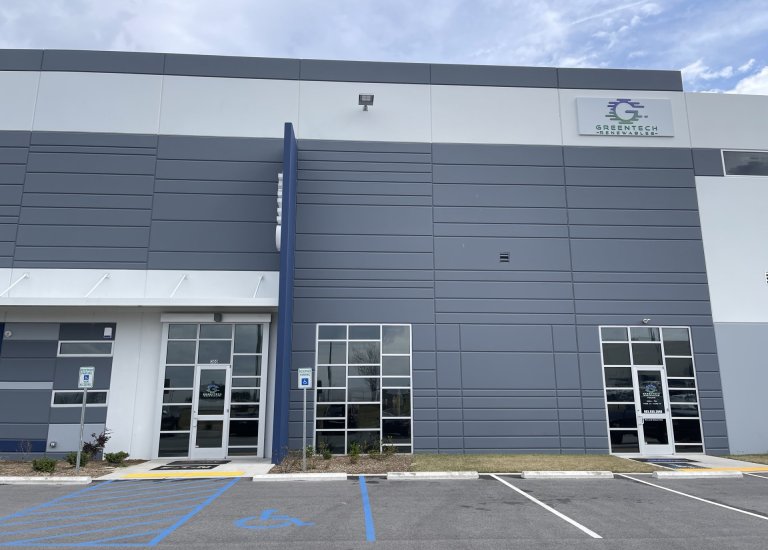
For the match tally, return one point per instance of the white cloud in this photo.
(746, 66)
(756, 84)
(699, 71)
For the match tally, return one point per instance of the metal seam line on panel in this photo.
(370, 530)
(549, 508)
(759, 516)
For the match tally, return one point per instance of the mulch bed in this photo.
(94, 468)
(365, 464)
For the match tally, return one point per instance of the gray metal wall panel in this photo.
(220, 148)
(67, 372)
(71, 415)
(641, 291)
(11, 174)
(481, 338)
(29, 348)
(707, 162)
(635, 232)
(502, 290)
(363, 220)
(656, 218)
(255, 188)
(507, 370)
(472, 174)
(364, 71)
(364, 243)
(502, 155)
(80, 236)
(356, 156)
(27, 369)
(25, 406)
(629, 177)
(452, 214)
(520, 196)
(231, 67)
(490, 75)
(123, 187)
(32, 331)
(619, 79)
(103, 163)
(637, 198)
(628, 157)
(643, 256)
(13, 138)
(86, 331)
(217, 170)
(211, 207)
(24, 431)
(212, 236)
(103, 62)
(13, 155)
(499, 230)
(384, 200)
(225, 261)
(483, 253)
(86, 217)
(86, 139)
(21, 60)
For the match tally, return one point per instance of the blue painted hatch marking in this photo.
(115, 514)
(269, 515)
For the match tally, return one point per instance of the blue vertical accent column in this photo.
(285, 300)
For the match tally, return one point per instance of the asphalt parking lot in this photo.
(492, 512)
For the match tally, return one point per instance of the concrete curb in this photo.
(714, 474)
(561, 474)
(44, 480)
(400, 476)
(320, 476)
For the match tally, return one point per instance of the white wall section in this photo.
(726, 121)
(18, 90)
(238, 107)
(734, 225)
(486, 114)
(98, 102)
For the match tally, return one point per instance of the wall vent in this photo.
(504, 258)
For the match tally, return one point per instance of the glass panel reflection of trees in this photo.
(363, 390)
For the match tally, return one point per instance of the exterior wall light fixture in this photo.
(646, 321)
(365, 100)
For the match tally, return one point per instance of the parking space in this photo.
(489, 513)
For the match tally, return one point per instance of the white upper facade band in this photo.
(421, 113)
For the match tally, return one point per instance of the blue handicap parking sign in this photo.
(305, 381)
(269, 516)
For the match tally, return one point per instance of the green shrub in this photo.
(84, 458)
(354, 452)
(388, 449)
(324, 450)
(116, 459)
(374, 450)
(45, 464)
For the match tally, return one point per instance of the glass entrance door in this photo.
(652, 410)
(210, 412)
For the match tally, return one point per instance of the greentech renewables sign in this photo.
(624, 116)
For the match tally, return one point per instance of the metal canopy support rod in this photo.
(183, 278)
(17, 281)
(94, 287)
(258, 285)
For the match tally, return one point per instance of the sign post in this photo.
(305, 383)
(84, 381)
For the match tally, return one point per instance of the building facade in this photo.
(486, 259)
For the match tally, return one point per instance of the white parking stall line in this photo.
(755, 475)
(759, 516)
(549, 508)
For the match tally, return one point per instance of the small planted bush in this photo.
(72, 458)
(325, 450)
(354, 452)
(45, 464)
(116, 459)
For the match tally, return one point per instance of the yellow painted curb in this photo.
(745, 469)
(149, 475)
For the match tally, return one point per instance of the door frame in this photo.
(264, 319)
(645, 448)
(194, 451)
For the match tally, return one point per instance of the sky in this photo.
(719, 45)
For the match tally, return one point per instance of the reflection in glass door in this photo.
(652, 411)
(210, 411)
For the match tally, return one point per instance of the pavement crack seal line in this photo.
(759, 516)
(549, 508)
(370, 530)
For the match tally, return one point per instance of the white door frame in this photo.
(646, 413)
(219, 452)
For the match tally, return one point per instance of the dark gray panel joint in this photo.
(103, 62)
(232, 67)
(364, 71)
(21, 60)
(707, 162)
(619, 79)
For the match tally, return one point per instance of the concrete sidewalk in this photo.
(247, 467)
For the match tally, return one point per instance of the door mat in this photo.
(197, 462)
(674, 463)
(187, 467)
